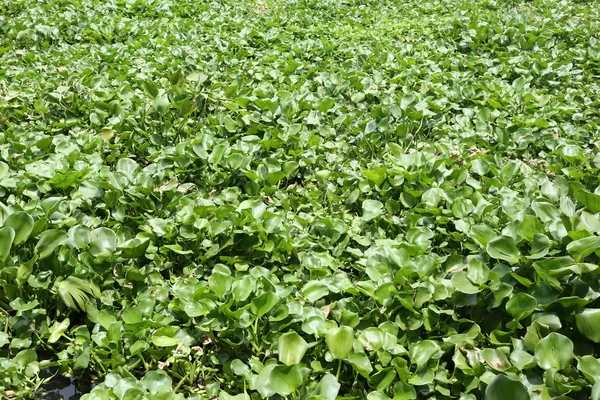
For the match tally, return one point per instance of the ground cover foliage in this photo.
(301, 200)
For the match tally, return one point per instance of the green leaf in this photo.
(590, 367)
(285, 380)
(529, 227)
(83, 360)
(157, 382)
(503, 248)
(518, 84)
(165, 337)
(591, 201)
(74, 292)
(540, 246)
(230, 124)
(134, 248)
(50, 240)
(314, 290)
(103, 242)
(588, 323)
(132, 315)
(502, 388)
(462, 283)
(263, 381)
(496, 359)
(423, 351)
(522, 359)
(554, 351)
(292, 348)
(328, 388)
(595, 391)
(377, 396)
(58, 329)
(22, 223)
(372, 338)
(484, 114)
(482, 234)
(264, 303)
(150, 88)
(377, 175)
(521, 305)
(7, 236)
(226, 396)
(339, 341)
(361, 363)
(582, 248)
(25, 357)
(220, 283)
(161, 104)
(371, 209)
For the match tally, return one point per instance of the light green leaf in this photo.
(361, 363)
(157, 382)
(285, 380)
(226, 396)
(462, 283)
(371, 209)
(292, 348)
(588, 323)
(522, 359)
(7, 236)
(503, 388)
(328, 388)
(74, 292)
(591, 201)
(540, 246)
(57, 330)
(339, 341)
(264, 303)
(580, 249)
(590, 367)
(554, 351)
(482, 234)
(161, 104)
(530, 226)
(22, 223)
(503, 248)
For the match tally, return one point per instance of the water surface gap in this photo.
(61, 387)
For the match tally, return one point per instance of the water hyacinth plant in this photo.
(300, 199)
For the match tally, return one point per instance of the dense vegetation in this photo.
(302, 199)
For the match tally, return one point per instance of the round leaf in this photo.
(285, 380)
(554, 351)
(371, 209)
(503, 248)
(503, 388)
(103, 242)
(157, 382)
(291, 348)
(339, 341)
(521, 305)
(423, 351)
(328, 388)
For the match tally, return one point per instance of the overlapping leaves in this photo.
(308, 199)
